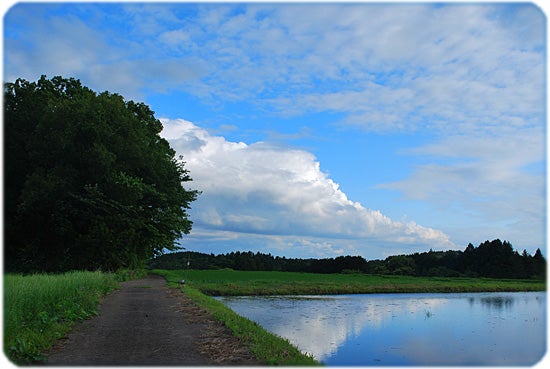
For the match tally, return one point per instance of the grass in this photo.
(267, 348)
(41, 308)
(229, 282)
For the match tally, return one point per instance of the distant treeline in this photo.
(492, 259)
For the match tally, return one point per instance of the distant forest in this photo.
(491, 259)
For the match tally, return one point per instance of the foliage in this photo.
(227, 282)
(266, 347)
(255, 261)
(125, 274)
(89, 183)
(495, 259)
(41, 308)
(491, 259)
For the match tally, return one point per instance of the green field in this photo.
(228, 282)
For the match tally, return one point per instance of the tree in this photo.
(89, 183)
(400, 264)
(539, 265)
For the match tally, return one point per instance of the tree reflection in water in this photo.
(394, 329)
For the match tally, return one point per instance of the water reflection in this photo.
(497, 302)
(407, 329)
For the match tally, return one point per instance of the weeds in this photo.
(41, 308)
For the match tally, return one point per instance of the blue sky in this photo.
(324, 129)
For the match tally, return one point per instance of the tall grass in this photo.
(41, 308)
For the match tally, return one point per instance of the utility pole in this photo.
(187, 271)
(188, 263)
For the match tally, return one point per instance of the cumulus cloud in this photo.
(269, 190)
(469, 76)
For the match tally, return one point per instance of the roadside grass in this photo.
(227, 282)
(41, 308)
(268, 348)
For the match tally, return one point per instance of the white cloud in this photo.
(274, 191)
(176, 38)
(500, 180)
(385, 66)
(413, 66)
(471, 76)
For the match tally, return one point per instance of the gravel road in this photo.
(146, 323)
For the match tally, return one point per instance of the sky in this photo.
(323, 129)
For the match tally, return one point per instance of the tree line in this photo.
(491, 259)
(88, 181)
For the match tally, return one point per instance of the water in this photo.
(407, 329)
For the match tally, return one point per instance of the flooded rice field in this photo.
(407, 329)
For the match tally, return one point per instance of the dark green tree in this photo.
(89, 183)
(539, 265)
(400, 264)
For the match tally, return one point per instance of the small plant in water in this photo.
(428, 314)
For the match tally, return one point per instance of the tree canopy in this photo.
(89, 183)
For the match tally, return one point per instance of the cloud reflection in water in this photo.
(406, 329)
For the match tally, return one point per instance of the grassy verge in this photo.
(234, 283)
(41, 308)
(267, 347)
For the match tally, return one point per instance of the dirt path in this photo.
(146, 323)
